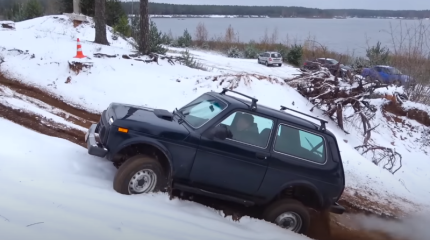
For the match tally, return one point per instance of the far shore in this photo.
(265, 16)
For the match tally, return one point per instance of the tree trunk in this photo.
(100, 22)
(144, 27)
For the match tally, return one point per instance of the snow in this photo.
(52, 40)
(63, 193)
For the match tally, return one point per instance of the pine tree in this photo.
(123, 27)
(114, 12)
(66, 6)
(17, 12)
(144, 27)
(33, 9)
(156, 39)
(100, 22)
(88, 7)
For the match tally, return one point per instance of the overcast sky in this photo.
(361, 4)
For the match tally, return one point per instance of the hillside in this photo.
(39, 91)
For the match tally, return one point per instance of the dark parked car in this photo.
(227, 148)
(385, 74)
(329, 63)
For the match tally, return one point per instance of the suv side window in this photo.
(249, 128)
(300, 144)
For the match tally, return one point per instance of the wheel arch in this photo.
(303, 191)
(144, 145)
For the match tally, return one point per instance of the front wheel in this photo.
(140, 174)
(289, 214)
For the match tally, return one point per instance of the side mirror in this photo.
(220, 132)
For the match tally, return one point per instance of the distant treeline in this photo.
(271, 11)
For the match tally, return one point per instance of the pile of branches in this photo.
(333, 95)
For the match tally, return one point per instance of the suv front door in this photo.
(238, 163)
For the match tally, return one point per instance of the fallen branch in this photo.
(34, 224)
(102, 55)
(392, 159)
(77, 67)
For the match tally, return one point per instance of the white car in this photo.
(270, 58)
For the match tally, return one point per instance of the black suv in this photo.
(228, 148)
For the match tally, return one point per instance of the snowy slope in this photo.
(53, 41)
(53, 190)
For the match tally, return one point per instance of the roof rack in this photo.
(322, 121)
(254, 100)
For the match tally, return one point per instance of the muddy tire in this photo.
(140, 174)
(289, 214)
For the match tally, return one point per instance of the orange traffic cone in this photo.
(79, 53)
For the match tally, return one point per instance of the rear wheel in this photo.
(140, 174)
(267, 64)
(289, 214)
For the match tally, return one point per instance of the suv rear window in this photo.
(301, 144)
(276, 55)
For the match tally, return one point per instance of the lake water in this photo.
(343, 35)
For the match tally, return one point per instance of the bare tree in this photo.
(144, 27)
(100, 22)
(201, 33)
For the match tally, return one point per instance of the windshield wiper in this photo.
(180, 115)
(177, 112)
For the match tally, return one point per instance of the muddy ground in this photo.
(324, 226)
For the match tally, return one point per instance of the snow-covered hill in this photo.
(49, 180)
(52, 189)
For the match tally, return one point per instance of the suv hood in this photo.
(149, 121)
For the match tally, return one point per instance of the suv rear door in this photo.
(239, 163)
(276, 57)
(300, 156)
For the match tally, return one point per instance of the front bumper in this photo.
(94, 146)
(337, 209)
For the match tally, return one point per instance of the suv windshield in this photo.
(201, 110)
(276, 55)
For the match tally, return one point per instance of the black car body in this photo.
(331, 64)
(282, 157)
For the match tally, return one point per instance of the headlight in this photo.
(111, 120)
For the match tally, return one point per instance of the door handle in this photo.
(261, 156)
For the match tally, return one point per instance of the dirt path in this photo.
(47, 98)
(42, 125)
(324, 227)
